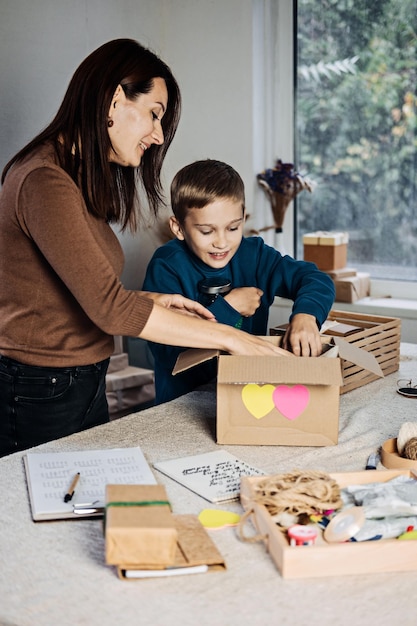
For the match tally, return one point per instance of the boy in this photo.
(208, 203)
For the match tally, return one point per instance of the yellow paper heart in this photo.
(213, 518)
(258, 399)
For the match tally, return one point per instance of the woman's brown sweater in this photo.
(61, 299)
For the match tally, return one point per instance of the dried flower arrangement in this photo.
(281, 184)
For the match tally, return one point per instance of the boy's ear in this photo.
(176, 228)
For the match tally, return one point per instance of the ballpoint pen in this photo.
(373, 461)
(68, 496)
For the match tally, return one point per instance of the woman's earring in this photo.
(110, 123)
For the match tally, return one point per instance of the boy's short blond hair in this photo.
(203, 182)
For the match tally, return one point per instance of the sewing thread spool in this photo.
(410, 449)
(407, 432)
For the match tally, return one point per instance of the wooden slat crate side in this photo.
(349, 370)
(363, 317)
(355, 384)
(372, 334)
(353, 380)
(376, 338)
(382, 354)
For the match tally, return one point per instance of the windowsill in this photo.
(391, 307)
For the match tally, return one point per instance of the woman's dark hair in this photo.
(80, 135)
(203, 182)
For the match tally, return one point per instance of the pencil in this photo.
(70, 492)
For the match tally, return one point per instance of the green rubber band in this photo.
(139, 503)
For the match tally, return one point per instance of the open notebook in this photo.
(213, 475)
(51, 474)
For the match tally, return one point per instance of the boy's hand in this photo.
(180, 304)
(245, 300)
(302, 336)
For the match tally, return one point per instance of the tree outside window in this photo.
(356, 128)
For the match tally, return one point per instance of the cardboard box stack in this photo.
(127, 387)
(328, 250)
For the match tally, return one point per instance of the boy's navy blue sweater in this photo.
(175, 269)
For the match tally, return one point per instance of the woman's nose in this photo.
(158, 134)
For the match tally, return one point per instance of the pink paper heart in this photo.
(291, 401)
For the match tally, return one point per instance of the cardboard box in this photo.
(344, 272)
(194, 548)
(379, 336)
(128, 387)
(353, 288)
(322, 559)
(139, 527)
(328, 250)
(278, 400)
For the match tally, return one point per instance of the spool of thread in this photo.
(407, 431)
(410, 449)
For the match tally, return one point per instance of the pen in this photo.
(70, 492)
(372, 462)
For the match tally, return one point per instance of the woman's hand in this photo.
(245, 344)
(302, 336)
(180, 304)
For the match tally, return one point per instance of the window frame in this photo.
(279, 35)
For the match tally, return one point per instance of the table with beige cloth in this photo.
(54, 573)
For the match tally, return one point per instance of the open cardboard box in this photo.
(279, 400)
(324, 559)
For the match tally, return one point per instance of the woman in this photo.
(61, 299)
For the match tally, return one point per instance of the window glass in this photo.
(356, 122)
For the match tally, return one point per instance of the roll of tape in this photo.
(345, 525)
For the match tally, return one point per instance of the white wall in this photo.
(207, 43)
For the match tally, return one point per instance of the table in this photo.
(54, 574)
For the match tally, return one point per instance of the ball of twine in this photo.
(407, 431)
(295, 493)
(298, 492)
(410, 449)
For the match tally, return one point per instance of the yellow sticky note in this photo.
(214, 518)
(258, 399)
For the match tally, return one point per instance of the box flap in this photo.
(275, 369)
(192, 357)
(195, 356)
(358, 356)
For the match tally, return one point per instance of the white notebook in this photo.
(50, 476)
(214, 475)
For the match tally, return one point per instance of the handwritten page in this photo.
(49, 476)
(215, 475)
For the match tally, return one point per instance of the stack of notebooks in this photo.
(115, 483)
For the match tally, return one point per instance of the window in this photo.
(356, 129)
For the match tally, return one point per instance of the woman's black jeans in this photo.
(39, 404)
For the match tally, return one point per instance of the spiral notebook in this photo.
(50, 476)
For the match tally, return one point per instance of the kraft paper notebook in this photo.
(214, 475)
(196, 553)
(50, 476)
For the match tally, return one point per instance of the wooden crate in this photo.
(380, 335)
(324, 559)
